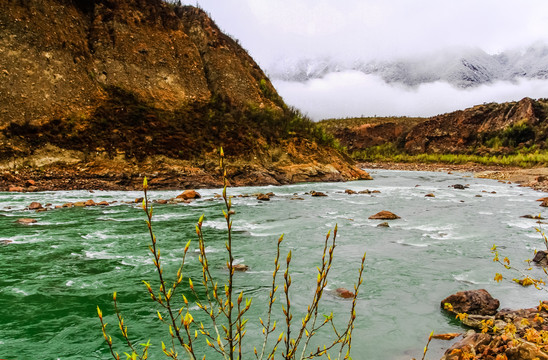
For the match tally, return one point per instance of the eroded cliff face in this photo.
(134, 80)
(482, 129)
(57, 58)
(461, 131)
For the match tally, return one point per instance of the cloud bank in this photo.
(353, 93)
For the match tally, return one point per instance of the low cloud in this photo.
(353, 93)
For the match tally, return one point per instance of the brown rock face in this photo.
(127, 85)
(455, 132)
(384, 215)
(473, 302)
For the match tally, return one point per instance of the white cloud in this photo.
(352, 93)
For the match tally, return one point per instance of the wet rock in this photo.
(16, 189)
(383, 224)
(5, 242)
(270, 194)
(430, 195)
(469, 345)
(541, 258)
(543, 199)
(366, 191)
(240, 267)
(472, 302)
(446, 336)
(375, 192)
(384, 215)
(344, 293)
(69, 205)
(536, 217)
(161, 201)
(35, 206)
(79, 204)
(189, 194)
(459, 186)
(296, 198)
(349, 192)
(263, 197)
(544, 203)
(478, 195)
(317, 193)
(103, 203)
(31, 189)
(90, 203)
(138, 200)
(26, 221)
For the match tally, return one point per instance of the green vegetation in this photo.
(223, 307)
(126, 124)
(524, 160)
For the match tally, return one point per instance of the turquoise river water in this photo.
(55, 272)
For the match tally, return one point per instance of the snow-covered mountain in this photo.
(461, 68)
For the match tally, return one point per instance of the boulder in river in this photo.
(344, 293)
(460, 186)
(189, 194)
(384, 215)
(383, 224)
(541, 258)
(317, 193)
(35, 206)
(349, 191)
(430, 195)
(536, 217)
(16, 189)
(472, 302)
(26, 221)
(240, 267)
(263, 197)
(544, 203)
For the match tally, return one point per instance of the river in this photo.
(55, 272)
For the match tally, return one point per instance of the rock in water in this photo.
(26, 221)
(473, 302)
(263, 197)
(383, 224)
(541, 258)
(317, 193)
(344, 293)
(384, 215)
(189, 194)
(35, 206)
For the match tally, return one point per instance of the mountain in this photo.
(487, 129)
(461, 68)
(117, 88)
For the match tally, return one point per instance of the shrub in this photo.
(225, 309)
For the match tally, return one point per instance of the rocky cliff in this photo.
(486, 129)
(129, 86)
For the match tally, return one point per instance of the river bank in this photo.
(536, 178)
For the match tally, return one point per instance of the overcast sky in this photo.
(348, 30)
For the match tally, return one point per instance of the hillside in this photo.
(483, 131)
(112, 89)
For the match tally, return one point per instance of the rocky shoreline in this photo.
(535, 178)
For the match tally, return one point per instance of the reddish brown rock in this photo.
(103, 203)
(35, 206)
(26, 221)
(384, 215)
(472, 302)
(189, 194)
(161, 201)
(263, 197)
(317, 193)
(16, 189)
(79, 204)
(90, 203)
(544, 203)
(68, 205)
(30, 183)
(240, 267)
(344, 293)
(430, 195)
(349, 192)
